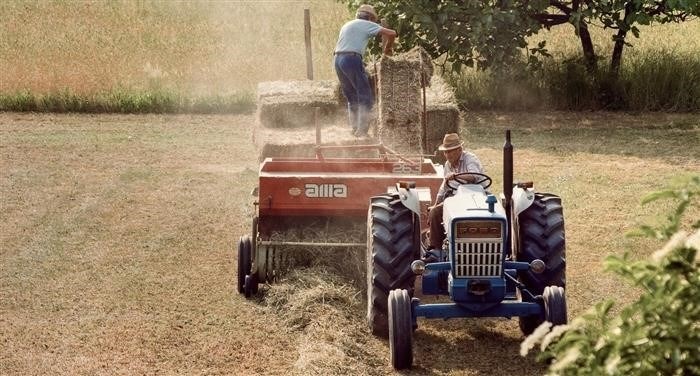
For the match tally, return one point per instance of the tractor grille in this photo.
(478, 259)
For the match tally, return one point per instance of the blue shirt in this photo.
(355, 34)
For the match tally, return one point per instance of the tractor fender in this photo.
(522, 199)
(410, 199)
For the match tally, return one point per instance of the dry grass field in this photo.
(117, 235)
(117, 232)
(206, 48)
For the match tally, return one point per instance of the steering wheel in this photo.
(454, 181)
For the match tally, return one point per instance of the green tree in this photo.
(481, 33)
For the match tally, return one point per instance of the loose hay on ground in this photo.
(325, 308)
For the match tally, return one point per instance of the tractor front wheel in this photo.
(400, 329)
(555, 305)
(393, 243)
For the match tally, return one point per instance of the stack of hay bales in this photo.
(442, 115)
(285, 120)
(401, 78)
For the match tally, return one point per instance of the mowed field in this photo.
(117, 238)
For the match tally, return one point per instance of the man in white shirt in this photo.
(458, 161)
(351, 45)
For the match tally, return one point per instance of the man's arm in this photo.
(388, 36)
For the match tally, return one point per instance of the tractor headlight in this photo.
(418, 267)
(537, 266)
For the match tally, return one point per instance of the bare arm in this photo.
(388, 36)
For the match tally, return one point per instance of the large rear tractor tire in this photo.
(393, 243)
(244, 261)
(400, 329)
(541, 236)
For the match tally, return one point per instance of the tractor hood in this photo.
(470, 201)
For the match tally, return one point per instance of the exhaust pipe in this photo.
(508, 183)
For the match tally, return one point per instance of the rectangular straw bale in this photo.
(289, 104)
(442, 113)
(400, 101)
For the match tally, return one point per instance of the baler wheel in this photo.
(400, 329)
(250, 287)
(244, 261)
(555, 305)
(393, 243)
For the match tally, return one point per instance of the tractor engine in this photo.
(476, 228)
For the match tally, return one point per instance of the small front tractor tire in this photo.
(244, 261)
(400, 329)
(393, 243)
(555, 305)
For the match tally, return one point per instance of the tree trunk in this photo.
(616, 60)
(588, 49)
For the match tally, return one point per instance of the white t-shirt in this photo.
(355, 34)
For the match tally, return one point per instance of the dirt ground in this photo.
(117, 237)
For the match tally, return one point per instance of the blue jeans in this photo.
(354, 81)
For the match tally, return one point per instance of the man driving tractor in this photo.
(458, 161)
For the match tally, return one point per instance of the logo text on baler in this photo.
(325, 190)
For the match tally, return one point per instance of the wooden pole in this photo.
(307, 39)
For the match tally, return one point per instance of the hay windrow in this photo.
(322, 306)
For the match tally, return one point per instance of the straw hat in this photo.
(451, 141)
(367, 9)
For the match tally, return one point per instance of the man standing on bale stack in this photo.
(349, 50)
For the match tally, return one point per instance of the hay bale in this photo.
(400, 100)
(442, 114)
(290, 104)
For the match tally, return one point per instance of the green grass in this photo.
(126, 101)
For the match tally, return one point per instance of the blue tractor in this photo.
(500, 259)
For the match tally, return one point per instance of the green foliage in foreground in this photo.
(659, 334)
(124, 101)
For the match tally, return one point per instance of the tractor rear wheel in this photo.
(244, 261)
(400, 329)
(541, 236)
(393, 243)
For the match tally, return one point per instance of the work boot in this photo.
(432, 255)
(352, 118)
(363, 113)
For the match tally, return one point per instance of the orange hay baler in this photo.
(292, 191)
